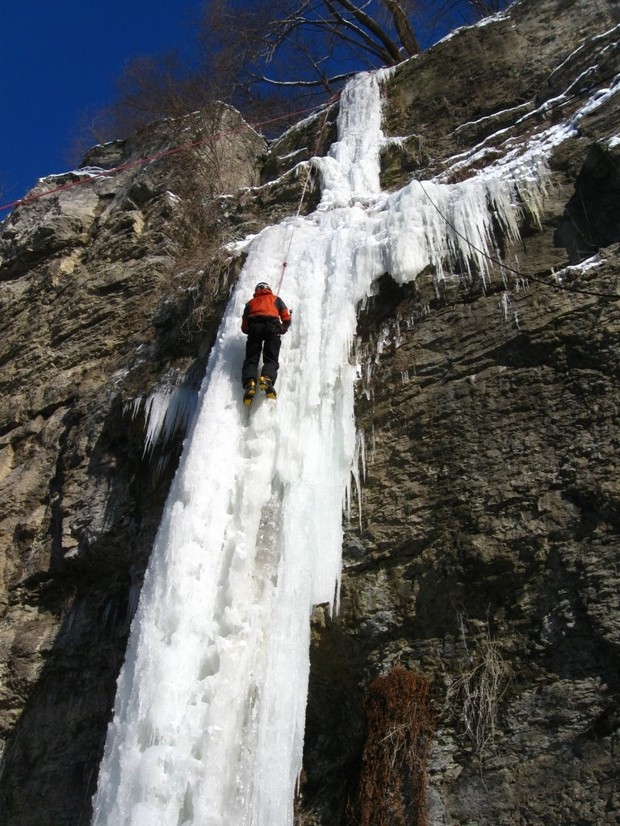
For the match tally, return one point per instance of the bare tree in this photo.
(318, 44)
(258, 55)
(323, 41)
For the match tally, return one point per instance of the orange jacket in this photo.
(265, 305)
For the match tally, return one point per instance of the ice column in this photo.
(209, 714)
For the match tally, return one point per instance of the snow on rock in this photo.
(209, 717)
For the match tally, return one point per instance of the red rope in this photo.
(103, 173)
(332, 100)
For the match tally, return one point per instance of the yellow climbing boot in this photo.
(250, 392)
(266, 385)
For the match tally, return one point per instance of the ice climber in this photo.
(265, 319)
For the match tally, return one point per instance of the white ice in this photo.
(209, 716)
(168, 408)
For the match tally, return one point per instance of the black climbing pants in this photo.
(263, 339)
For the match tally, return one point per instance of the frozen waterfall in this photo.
(209, 716)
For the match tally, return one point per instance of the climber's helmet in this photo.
(262, 285)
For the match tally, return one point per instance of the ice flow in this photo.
(209, 715)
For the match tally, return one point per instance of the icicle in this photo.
(209, 715)
(169, 408)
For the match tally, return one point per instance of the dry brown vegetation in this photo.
(474, 696)
(400, 723)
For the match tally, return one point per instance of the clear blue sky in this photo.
(59, 59)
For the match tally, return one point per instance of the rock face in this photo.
(484, 557)
(486, 552)
(111, 291)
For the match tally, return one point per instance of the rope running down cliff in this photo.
(184, 147)
(328, 106)
(508, 268)
(105, 173)
(503, 265)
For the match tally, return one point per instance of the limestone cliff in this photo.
(483, 557)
